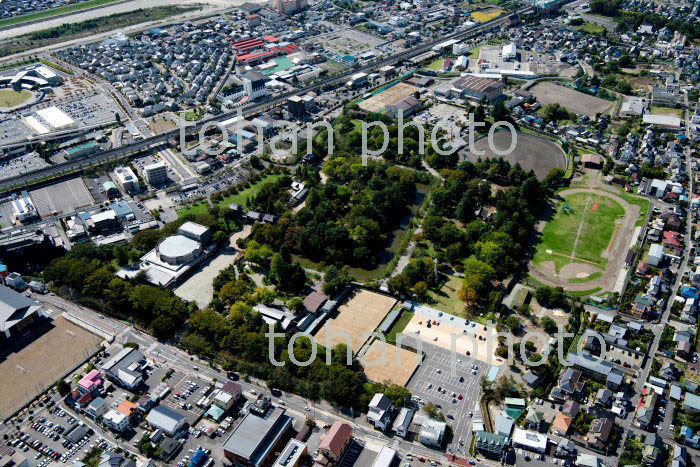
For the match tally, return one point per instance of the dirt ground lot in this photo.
(358, 316)
(32, 368)
(583, 104)
(441, 336)
(199, 288)
(531, 152)
(396, 367)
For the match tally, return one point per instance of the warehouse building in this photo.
(256, 439)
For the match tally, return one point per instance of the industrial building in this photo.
(471, 87)
(166, 419)
(126, 368)
(17, 312)
(256, 439)
(23, 208)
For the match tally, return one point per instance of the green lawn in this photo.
(11, 98)
(657, 110)
(446, 299)
(561, 233)
(591, 28)
(436, 65)
(55, 12)
(242, 196)
(399, 326)
(200, 207)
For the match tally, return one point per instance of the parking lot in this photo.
(456, 395)
(13, 130)
(56, 435)
(90, 109)
(20, 164)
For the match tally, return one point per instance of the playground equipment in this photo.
(567, 208)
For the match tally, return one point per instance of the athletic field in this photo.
(582, 230)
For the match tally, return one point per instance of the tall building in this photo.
(289, 7)
(296, 106)
(156, 174)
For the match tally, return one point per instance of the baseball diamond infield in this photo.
(585, 243)
(531, 152)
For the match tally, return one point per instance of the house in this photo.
(643, 306)
(403, 422)
(691, 402)
(598, 436)
(113, 459)
(380, 414)
(534, 419)
(334, 443)
(670, 372)
(571, 385)
(679, 456)
(532, 379)
(571, 408)
(656, 254)
(432, 432)
(490, 444)
(561, 424)
(166, 419)
(604, 397)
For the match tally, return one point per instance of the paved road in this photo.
(165, 354)
(252, 109)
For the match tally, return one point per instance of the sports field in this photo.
(388, 363)
(582, 230)
(355, 319)
(531, 152)
(11, 98)
(487, 15)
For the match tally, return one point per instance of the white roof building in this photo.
(530, 440)
(166, 419)
(664, 121)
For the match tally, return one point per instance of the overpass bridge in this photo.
(132, 149)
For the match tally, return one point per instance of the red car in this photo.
(460, 397)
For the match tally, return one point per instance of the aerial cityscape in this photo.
(337, 233)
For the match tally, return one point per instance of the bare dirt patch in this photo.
(396, 366)
(38, 361)
(355, 319)
(531, 152)
(552, 93)
(577, 271)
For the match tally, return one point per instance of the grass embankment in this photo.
(50, 13)
(67, 32)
